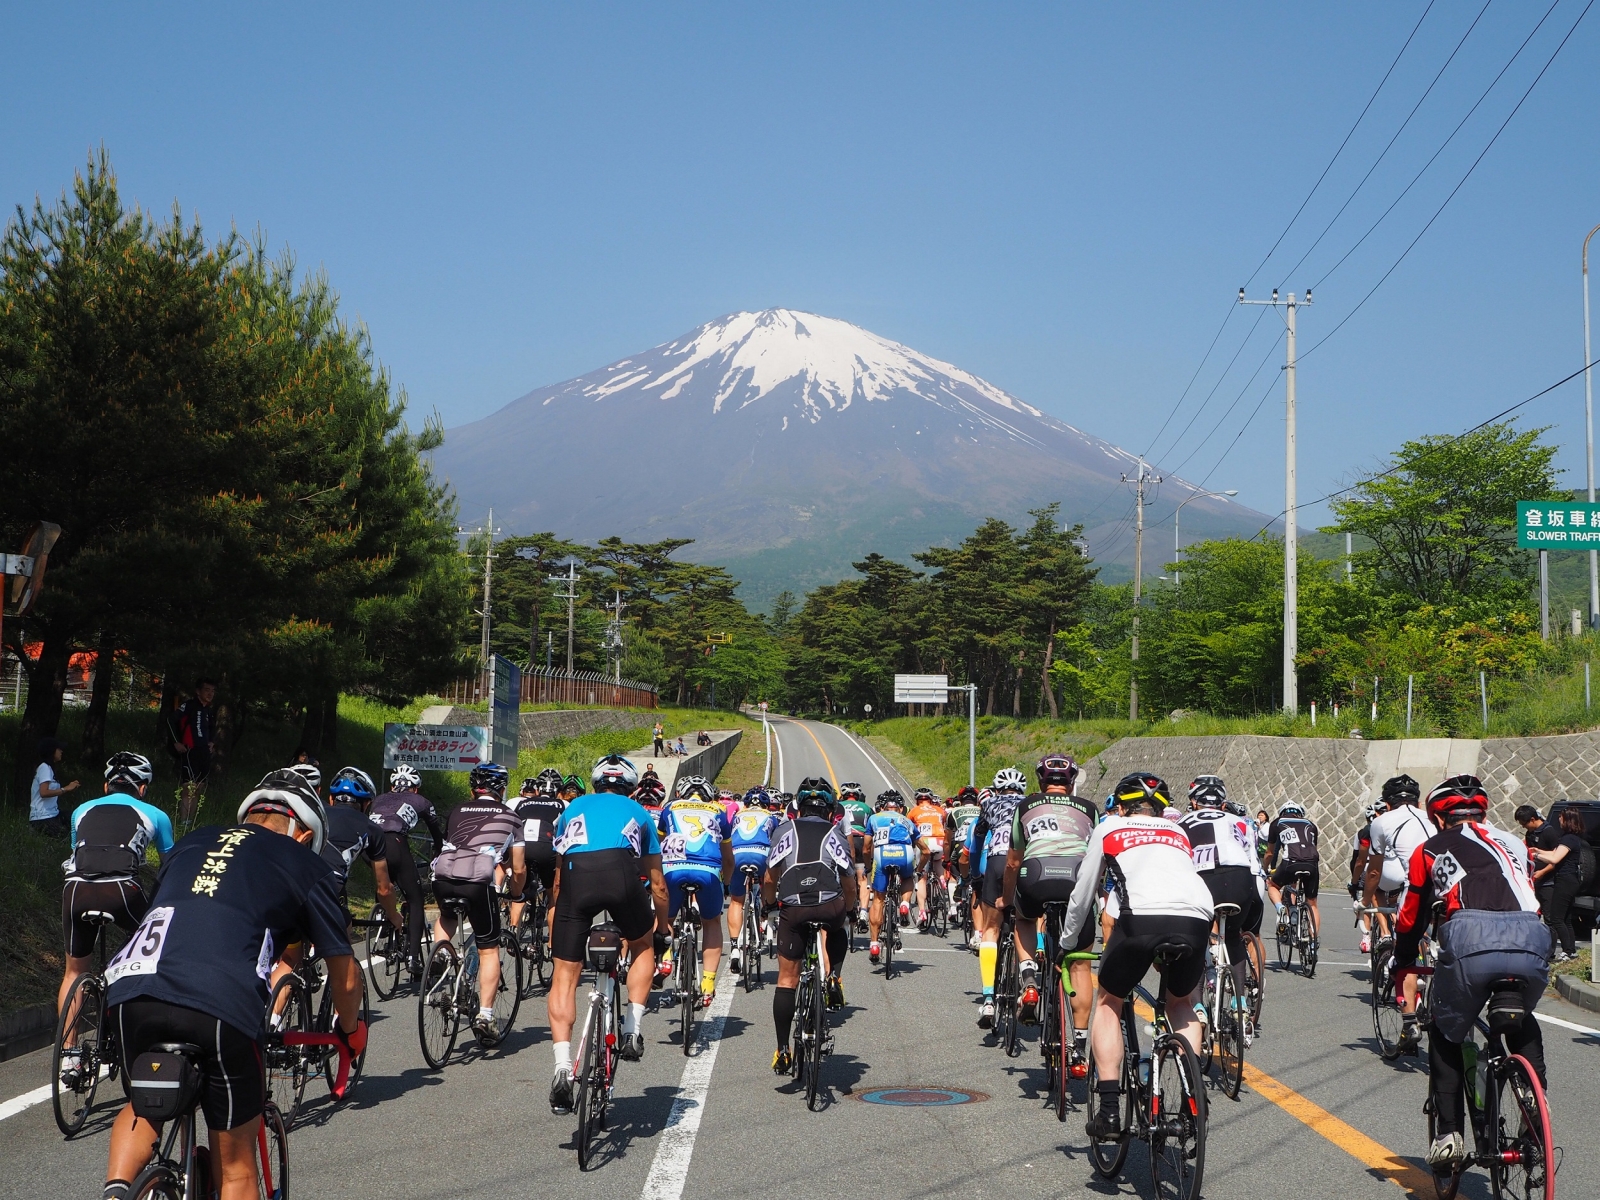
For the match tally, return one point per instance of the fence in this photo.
(540, 686)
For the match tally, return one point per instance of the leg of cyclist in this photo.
(710, 938)
(986, 922)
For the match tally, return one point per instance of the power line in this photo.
(1248, 422)
(1203, 360)
(1225, 370)
(1224, 417)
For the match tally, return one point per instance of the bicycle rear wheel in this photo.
(817, 1022)
(156, 1182)
(508, 994)
(588, 1086)
(1525, 1123)
(288, 1067)
(330, 1058)
(688, 961)
(1308, 942)
(81, 1019)
(1208, 995)
(1445, 1185)
(890, 930)
(1107, 1157)
(385, 953)
(272, 1155)
(1178, 1121)
(1285, 940)
(1063, 1047)
(1228, 1026)
(1387, 1018)
(438, 1021)
(1254, 976)
(1006, 990)
(938, 909)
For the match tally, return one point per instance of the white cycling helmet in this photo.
(614, 773)
(405, 777)
(1009, 779)
(288, 792)
(127, 767)
(310, 772)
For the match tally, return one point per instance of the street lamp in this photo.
(1177, 546)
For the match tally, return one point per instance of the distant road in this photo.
(808, 748)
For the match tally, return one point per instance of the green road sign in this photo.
(1549, 525)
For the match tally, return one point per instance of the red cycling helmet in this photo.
(1460, 796)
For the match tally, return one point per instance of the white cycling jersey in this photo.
(1220, 839)
(1396, 835)
(1152, 872)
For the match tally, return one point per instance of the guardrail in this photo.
(540, 686)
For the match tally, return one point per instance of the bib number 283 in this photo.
(142, 954)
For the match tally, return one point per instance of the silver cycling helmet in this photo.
(1009, 779)
(289, 792)
(404, 778)
(127, 767)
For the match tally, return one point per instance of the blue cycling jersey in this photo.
(157, 823)
(891, 829)
(606, 821)
(692, 833)
(752, 830)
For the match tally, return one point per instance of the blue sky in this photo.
(1063, 199)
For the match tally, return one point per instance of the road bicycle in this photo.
(1388, 1014)
(1057, 1046)
(1230, 1026)
(85, 1046)
(301, 1005)
(1007, 987)
(686, 962)
(1069, 1058)
(1296, 933)
(962, 899)
(1163, 1099)
(811, 1041)
(532, 935)
(448, 995)
(598, 1051)
(386, 944)
(938, 904)
(889, 930)
(1506, 1109)
(751, 940)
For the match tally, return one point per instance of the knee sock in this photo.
(783, 1006)
(116, 1189)
(988, 952)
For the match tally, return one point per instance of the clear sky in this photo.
(1062, 199)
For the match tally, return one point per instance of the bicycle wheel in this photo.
(540, 945)
(288, 1067)
(938, 909)
(508, 995)
(1387, 1019)
(688, 960)
(890, 930)
(1006, 990)
(817, 1020)
(80, 1020)
(1308, 942)
(438, 1022)
(156, 1182)
(1228, 1034)
(1177, 1121)
(1445, 1185)
(1107, 1157)
(1525, 1124)
(1254, 977)
(1208, 999)
(588, 1085)
(1285, 939)
(385, 954)
(272, 1154)
(1049, 1031)
(1063, 1047)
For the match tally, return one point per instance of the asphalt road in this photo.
(1325, 1118)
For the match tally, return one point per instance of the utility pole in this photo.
(570, 562)
(1588, 431)
(1291, 562)
(1138, 482)
(614, 634)
(488, 582)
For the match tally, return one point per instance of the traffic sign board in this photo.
(921, 689)
(1557, 525)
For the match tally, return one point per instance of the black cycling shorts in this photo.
(858, 847)
(235, 1088)
(483, 906)
(994, 875)
(793, 935)
(1236, 885)
(1041, 880)
(1285, 872)
(599, 881)
(123, 899)
(541, 858)
(1132, 949)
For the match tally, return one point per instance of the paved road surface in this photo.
(1340, 1122)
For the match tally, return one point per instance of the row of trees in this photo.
(238, 491)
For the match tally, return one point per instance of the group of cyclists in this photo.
(233, 907)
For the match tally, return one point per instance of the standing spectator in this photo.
(659, 734)
(195, 737)
(44, 807)
(1539, 834)
(1567, 856)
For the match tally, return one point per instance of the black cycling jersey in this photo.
(399, 812)
(479, 835)
(538, 815)
(227, 902)
(349, 834)
(1295, 838)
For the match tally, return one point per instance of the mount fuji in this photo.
(789, 444)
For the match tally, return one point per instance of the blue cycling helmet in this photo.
(353, 786)
(490, 777)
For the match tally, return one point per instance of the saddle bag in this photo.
(162, 1085)
(605, 947)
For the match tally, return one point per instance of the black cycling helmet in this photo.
(489, 777)
(1141, 788)
(1402, 789)
(126, 767)
(815, 797)
(888, 798)
(967, 795)
(572, 783)
(1207, 791)
(1057, 770)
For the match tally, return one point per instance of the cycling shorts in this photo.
(235, 1088)
(741, 860)
(1131, 950)
(541, 858)
(902, 858)
(932, 864)
(858, 848)
(1236, 885)
(598, 881)
(707, 880)
(123, 899)
(1477, 949)
(483, 906)
(994, 874)
(793, 935)
(1284, 874)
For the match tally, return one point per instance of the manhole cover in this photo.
(921, 1097)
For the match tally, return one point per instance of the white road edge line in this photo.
(24, 1102)
(1572, 1025)
(778, 742)
(670, 1169)
(863, 752)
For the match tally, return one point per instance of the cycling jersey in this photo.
(1470, 866)
(399, 812)
(991, 834)
(928, 817)
(539, 815)
(606, 821)
(1218, 839)
(1396, 835)
(810, 856)
(858, 813)
(1049, 826)
(349, 834)
(227, 902)
(1295, 840)
(477, 837)
(692, 833)
(891, 829)
(752, 834)
(1152, 870)
(109, 836)
(959, 822)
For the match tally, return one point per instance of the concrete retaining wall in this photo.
(26, 1030)
(538, 728)
(1335, 778)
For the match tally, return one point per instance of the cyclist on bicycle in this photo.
(959, 819)
(1472, 881)
(927, 814)
(752, 843)
(610, 861)
(809, 878)
(194, 971)
(481, 836)
(109, 837)
(538, 808)
(857, 811)
(571, 788)
(1291, 852)
(1161, 901)
(396, 814)
(988, 846)
(1360, 855)
(351, 833)
(1222, 845)
(892, 843)
(697, 849)
(1049, 837)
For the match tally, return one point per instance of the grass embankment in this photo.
(30, 865)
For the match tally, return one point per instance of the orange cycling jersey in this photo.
(928, 817)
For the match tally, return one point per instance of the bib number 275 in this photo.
(142, 954)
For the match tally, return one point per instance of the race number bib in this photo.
(142, 954)
(1447, 872)
(1000, 840)
(634, 835)
(1043, 824)
(674, 848)
(1289, 835)
(407, 815)
(783, 845)
(530, 830)
(265, 959)
(1204, 855)
(575, 834)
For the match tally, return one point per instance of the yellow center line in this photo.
(1373, 1154)
(826, 760)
